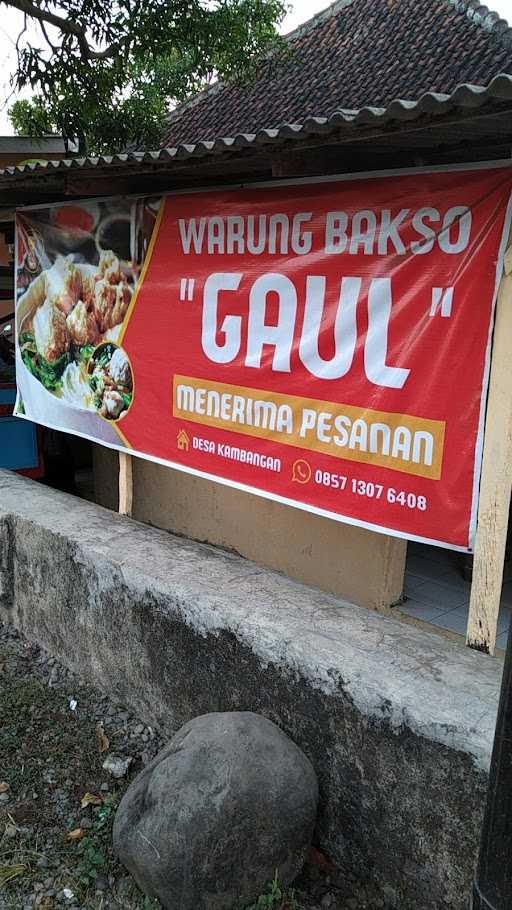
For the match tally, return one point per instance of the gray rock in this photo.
(117, 766)
(208, 822)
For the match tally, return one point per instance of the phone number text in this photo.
(371, 490)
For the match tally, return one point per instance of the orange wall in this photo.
(357, 565)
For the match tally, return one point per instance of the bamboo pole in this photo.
(496, 480)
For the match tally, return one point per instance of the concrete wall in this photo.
(397, 722)
(358, 565)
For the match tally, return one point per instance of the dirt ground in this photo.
(57, 802)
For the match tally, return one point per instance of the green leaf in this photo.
(49, 374)
(146, 57)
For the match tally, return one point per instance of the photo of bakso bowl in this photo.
(66, 313)
(110, 381)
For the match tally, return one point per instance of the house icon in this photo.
(183, 441)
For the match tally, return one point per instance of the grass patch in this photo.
(276, 898)
(49, 758)
(94, 849)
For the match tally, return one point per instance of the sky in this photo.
(11, 22)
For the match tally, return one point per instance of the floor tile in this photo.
(412, 583)
(504, 619)
(501, 640)
(441, 595)
(425, 611)
(438, 593)
(455, 620)
(454, 578)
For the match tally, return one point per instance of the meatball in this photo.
(88, 290)
(109, 267)
(51, 332)
(82, 325)
(104, 300)
(112, 405)
(120, 370)
(64, 284)
(123, 297)
(110, 303)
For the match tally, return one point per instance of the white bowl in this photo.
(43, 407)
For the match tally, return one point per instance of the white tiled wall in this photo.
(436, 591)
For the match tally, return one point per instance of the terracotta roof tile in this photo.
(357, 53)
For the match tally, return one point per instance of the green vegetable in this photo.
(105, 356)
(84, 353)
(127, 398)
(26, 338)
(48, 374)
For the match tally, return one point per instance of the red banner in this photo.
(325, 344)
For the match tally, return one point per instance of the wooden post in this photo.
(496, 480)
(125, 484)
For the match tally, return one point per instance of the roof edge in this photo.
(305, 27)
(485, 18)
(477, 13)
(465, 96)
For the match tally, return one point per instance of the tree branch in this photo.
(20, 36)
(66, 26)
(46, 37)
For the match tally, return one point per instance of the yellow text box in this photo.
(413, 445)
